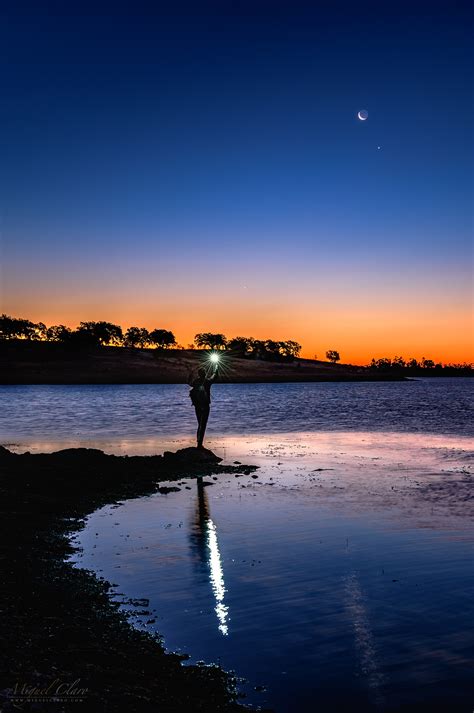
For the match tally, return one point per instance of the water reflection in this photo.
(204, 542)
(324, 626)
(364, 639)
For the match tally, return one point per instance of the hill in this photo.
(24, 362)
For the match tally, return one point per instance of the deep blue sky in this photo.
(206, 146)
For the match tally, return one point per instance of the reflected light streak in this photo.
(368, 660)
(217, 576)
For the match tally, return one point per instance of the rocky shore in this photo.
(66, 645)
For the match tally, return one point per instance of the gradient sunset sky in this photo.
(200, 167)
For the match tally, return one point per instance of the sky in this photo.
(201, 167)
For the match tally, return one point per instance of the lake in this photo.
(340, 578)
(119, 414)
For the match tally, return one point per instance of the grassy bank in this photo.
(59, 627)
(50, 363)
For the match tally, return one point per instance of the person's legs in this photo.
(198, 416)
(202, 419)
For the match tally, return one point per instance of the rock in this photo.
(138, 602)
(5, 453)
(89, 453)
(164, 490)
(191, 456)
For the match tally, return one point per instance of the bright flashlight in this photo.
(214, 358)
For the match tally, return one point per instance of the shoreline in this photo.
(138, 382)
(59, 622)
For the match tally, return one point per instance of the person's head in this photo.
(201, 372)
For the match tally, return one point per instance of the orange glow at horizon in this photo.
(358, 308)
(357, 335)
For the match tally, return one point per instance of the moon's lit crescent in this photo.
(363, 115)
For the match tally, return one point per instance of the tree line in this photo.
(93, 334)
(412, 365)
(87, 334)
(101, 333)
(248, 347)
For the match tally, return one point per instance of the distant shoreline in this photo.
(50, 363)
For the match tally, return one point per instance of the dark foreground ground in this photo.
(60, 631)
(50, 363)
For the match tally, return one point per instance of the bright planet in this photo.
(363, 114)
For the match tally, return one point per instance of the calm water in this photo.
(341, 578)
(137, 413)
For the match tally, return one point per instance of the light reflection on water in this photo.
(339, 579)
(205, 536)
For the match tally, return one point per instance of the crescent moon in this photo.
(362, 115)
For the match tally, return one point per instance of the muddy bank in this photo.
(63, 636)
(50, 363)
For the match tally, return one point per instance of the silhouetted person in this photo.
(200, 395)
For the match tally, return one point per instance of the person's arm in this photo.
(215, 374)
(191, 377)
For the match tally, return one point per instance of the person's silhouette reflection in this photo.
(204, 540)
(199, 525)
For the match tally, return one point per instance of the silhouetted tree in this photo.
(427, 363)
(58, 333)
(259, 349)
(104, 333)
(136, 337)
(162, 338)
(290, 348)
(7, 327)
(384, 363)
(39, 331)
(333, 355)
(272, 349)
(210, 341)
(19, 328)
(268, 349)
(241, 346)
(398, 362)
